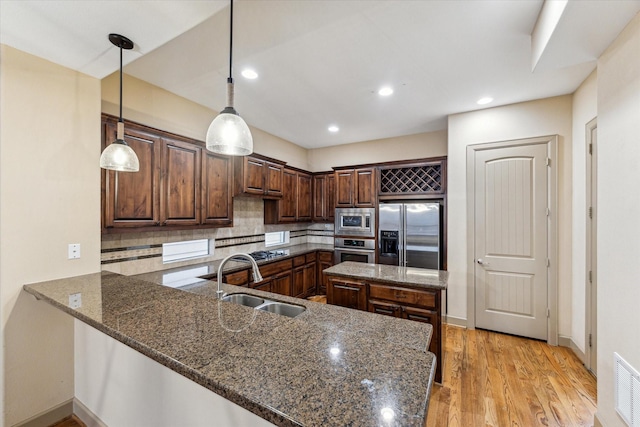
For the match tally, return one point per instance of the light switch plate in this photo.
(74, 250)
(75, 300)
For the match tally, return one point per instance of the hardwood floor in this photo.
(71, 421)
(493, 379)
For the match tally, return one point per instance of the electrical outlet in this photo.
(74, 250)
(75, 300)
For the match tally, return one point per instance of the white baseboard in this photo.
(596, 421)
(457, 321)
(85, 414)
(50, 416)
(62, 411)
(568, 342)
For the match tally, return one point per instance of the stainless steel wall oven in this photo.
(356, 250)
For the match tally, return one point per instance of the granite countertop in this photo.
(329, 366)
(403, 276)
(200, 273)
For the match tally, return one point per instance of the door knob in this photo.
(481, 262)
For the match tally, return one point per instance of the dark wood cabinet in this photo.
(258, 176)
(281, 283)
(180, 195)
(344, 188)
(365, 188)
(413, 304)
(237, 278)
(180, 184)
(295, 204)
(303, 197)
(324, 197)
(217, 190)
(298, 282)
(304, 275)
(274, 185)
(355, 188)
(276, 277)
(325, 260)
(130, 199)
(346, 293)
(330, 197)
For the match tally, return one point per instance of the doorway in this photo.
(511, 200)
(591, 284)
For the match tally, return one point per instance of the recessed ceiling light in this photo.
(249, 74)
(333, 128)
(485, 100)
(385, 91)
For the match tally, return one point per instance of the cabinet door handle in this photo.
(400, 296)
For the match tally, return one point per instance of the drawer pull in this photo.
(400, 296)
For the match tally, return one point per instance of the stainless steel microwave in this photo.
(360, 222)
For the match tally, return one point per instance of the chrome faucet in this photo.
(257, 277)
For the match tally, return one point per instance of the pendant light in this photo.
(228, 133)
(119, 156)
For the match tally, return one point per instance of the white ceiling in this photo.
(322, 62)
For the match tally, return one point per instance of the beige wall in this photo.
(584, 110)
(152, 106)
(528, 119)
(431, 144)
(49, 178)
(618, 212)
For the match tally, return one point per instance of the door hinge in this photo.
(548, 211)
(548, 262)
(548, 161)
(548, 313)
(590, 148)
(590, 343)
(590, 277)
(590, 212)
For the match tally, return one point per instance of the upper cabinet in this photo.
(355, 188)
(258, 176)
(179, 185)
(324, 197)
(179, 198)
(303, 197)
(295, 204)
(217, 191)
(130, 199)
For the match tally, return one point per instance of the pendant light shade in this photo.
(228, 133)
(118, 156)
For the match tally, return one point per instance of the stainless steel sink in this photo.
(277, 307)
(244, 299)
(282, 308)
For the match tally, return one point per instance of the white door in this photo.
(511, 239)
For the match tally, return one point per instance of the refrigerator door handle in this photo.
(403, 233)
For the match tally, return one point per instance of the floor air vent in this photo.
(627, 391)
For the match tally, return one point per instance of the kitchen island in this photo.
(327, 366)
(403, 292)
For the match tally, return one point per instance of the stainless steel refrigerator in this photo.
(409, 234)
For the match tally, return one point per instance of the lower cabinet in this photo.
(238, 278)
(420, 305)
(281, 284)
(348, 294)
(325, 260)
(304, 275)
(296, 277)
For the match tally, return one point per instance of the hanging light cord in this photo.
(230, 79)
(120, 84)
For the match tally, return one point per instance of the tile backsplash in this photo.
(134, 253)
